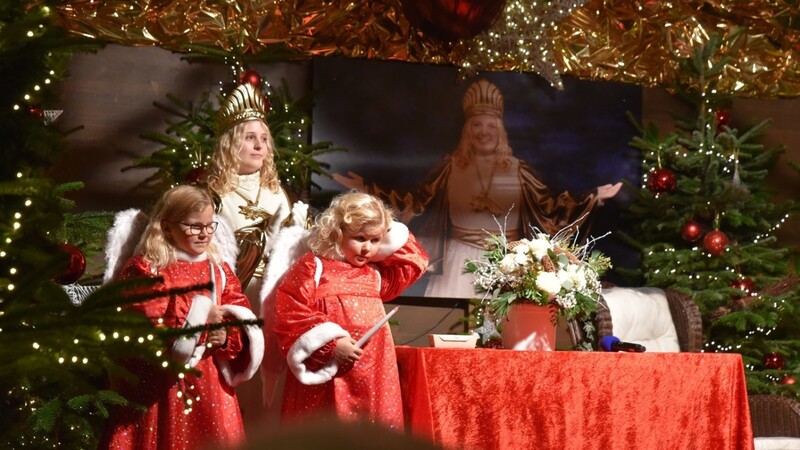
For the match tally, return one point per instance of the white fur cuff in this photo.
(308, 343)
(255, 348)
(185, 347)
(394, 239)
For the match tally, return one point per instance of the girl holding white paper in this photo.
(359, 259)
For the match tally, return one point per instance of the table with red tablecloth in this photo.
(506, 399)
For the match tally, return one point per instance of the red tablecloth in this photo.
(505, 399)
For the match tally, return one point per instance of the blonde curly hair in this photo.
(352, 212)
(174, 206)
(225, 161)
(463, 154)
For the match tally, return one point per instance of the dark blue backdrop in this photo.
(398, 119)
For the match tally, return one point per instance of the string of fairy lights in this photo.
(522, 39)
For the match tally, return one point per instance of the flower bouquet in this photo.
(546, 271)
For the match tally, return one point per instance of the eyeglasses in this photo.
(193, 229)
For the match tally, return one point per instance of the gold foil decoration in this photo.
(632, 41)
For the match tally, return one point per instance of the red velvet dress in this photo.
(351, 298)
(214, 419)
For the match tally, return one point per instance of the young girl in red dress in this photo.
(359, 259)
(192, 411)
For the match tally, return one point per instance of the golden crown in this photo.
(483, 97)
(243, 104)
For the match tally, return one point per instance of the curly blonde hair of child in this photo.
(174, 206)
(225, 161)
(463, 154)
(353, 212)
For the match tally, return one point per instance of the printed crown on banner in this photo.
(483, 97)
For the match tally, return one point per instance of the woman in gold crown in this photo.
(472, 189)
(244, 181)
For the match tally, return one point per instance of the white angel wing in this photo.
(225, 240)
(122, 239)
(288, 245)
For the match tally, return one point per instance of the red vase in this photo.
(528, 327)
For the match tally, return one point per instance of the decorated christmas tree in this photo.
(55, 356)
(705, 223)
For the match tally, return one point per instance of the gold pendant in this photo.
(251, 212)
(482, 202)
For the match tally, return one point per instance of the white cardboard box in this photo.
(453, 340)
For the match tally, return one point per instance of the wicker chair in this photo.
(774, 416)
(685, 316)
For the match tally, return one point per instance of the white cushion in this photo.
(641, 315)
(777, 443)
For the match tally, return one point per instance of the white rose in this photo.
(520, 255)
(539, 247)
(548, 282)
(508, 264)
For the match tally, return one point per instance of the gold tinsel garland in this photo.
(623, 40)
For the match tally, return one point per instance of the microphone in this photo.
(613, 344)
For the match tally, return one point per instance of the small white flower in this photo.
(520, 255)
(567, 301)
(539, 247)
(573, 277)
(509, 263)
(548, 282)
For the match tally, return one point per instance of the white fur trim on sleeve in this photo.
(225, 239)
(394, 239)
(121, 241)
(255, 347)
(185, 348)
(308, 343)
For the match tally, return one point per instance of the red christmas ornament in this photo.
(76, 267)
(662, 180)
(196, 175)
(788, 379)
(691, 231)
(723, 118)
(250, 77)
(36, 111)
(715, 242)
(451, 20)
(745, 284)
(774, 360)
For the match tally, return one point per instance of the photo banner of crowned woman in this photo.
(496, 153)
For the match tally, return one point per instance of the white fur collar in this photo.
(183, 256)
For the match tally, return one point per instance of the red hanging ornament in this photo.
(36, 111)
(745, 284)
(195, 175)
(691, 231)
(251, 77)
(451, 20)
(715, 242)
(723, 118)
(774, 361)
(76, 266)
(662, 180)
(788, 379)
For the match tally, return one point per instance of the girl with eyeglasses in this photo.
(177, 246)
